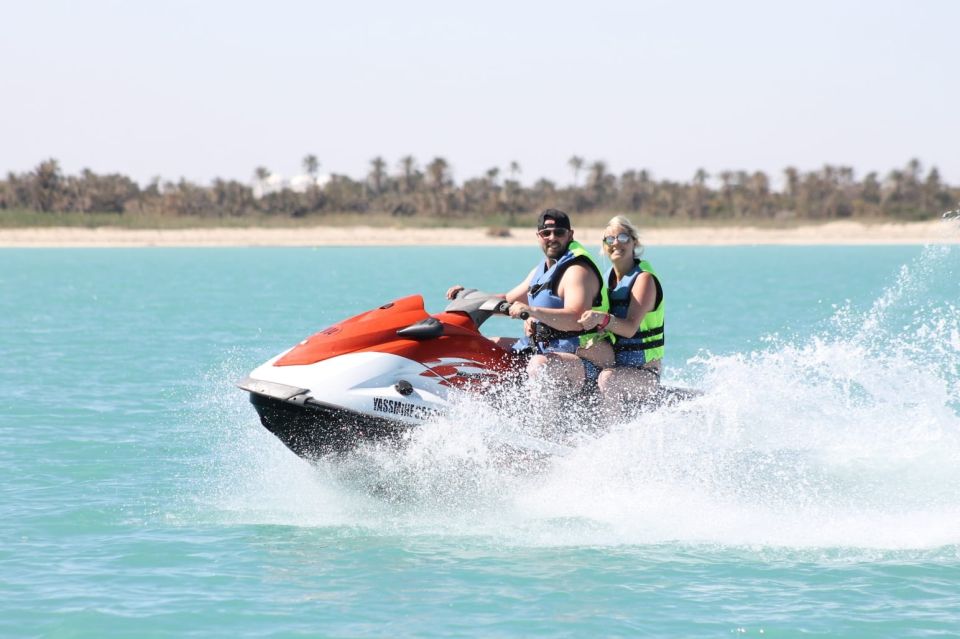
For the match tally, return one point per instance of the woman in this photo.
(635, 318)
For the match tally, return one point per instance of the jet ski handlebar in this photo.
(501, 307)
(479, 305)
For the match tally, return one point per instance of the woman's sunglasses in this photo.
(545, 233)
(623, 238)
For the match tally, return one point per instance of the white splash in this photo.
(848, 438)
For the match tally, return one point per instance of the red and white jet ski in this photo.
(375, 375)
(379, 373)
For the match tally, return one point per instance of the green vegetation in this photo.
(430, 197)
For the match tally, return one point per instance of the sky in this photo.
(201, 90)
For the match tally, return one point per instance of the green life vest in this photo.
(588, 338)
(650, 334)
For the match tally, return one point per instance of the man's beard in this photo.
(555, 252)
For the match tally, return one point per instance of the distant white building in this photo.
(298, 184)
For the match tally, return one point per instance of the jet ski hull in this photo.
(313, 429)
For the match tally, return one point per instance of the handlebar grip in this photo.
(504, 309)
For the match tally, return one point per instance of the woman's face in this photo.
(618, 249)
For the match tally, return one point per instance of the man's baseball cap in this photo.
(559, 218)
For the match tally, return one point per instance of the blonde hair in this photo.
(628, 226)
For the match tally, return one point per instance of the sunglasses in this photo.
(545, 233)
(623, 238)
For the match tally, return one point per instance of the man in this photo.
(555, 294)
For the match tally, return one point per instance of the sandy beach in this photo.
(837, 233)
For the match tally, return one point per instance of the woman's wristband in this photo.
(603, 323)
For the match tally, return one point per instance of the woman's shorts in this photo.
(630, 359)
(590, 373)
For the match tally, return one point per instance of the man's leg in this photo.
(562, 371)
(553, 379)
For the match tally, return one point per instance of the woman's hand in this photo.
(590, 319)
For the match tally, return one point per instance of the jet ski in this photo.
(374, 376)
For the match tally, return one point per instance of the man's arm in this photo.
(578, 287)
(519, 292)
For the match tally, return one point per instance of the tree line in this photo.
(412, 190)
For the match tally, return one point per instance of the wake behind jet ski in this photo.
(376, 375)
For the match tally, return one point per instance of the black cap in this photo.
(560, 219)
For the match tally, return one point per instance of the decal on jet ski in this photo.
(457, 372)
(392, 406)
(448, 372)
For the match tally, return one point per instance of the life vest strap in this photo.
(532, 291)
(639, 346)
(544, 333)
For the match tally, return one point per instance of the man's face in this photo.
(554, 241)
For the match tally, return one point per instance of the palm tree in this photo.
(408, 166)
(600, 183)
(870, 190)
(699, 193)
(489, 193)
(793, 181)
(597, 170)
(912, 194)
(576, 163)
(931, 191)
(727, 180)
(311, 165)
(700, 177)
(260, 174)
(895, 180)
(631, 195)
(759, 192)
(514, 169)
(46, 184)
(646, 188)
(437, 171)
(846, 175)
(378, 172)
(914, 168)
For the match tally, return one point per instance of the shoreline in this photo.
(830, 233)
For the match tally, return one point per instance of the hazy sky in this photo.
(206, 89)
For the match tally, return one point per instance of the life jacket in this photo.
(542, 293)
(650, 334)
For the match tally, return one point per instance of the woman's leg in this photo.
(625, 388)
(600, 353)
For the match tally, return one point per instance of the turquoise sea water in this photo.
(814, 490)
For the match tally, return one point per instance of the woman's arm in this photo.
(643, 297)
